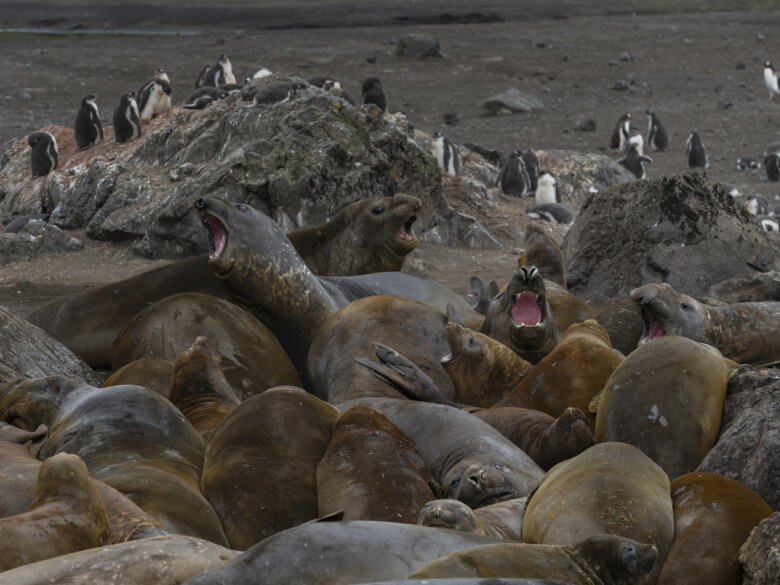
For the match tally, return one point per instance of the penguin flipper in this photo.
(646, 159)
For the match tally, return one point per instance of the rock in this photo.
(760, 37)
(28, 352)
(587, 125)
(35, 238)
(620, 85)
(474, 234)
(741, 65)
(684, 230)
(418, 45)
(760, 555)
(762, 287)
(513, 101)
(451, 118)
(625, 56)
(725, 104)
(748, 447)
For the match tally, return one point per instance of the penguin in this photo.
(44, 154)
(514, 179)
(772, 161)
(258, 73)
(532, 168)
(160, 74)
(633, 161)
(695, 155)
(757, 205)
(127, 125)
(554, 212)
(657, 138)
(88, 130)
(334, 87)
(770, 224)
(374, 93)
(547, 189)
(278, 92)
(321, 80)
(747, 164)
(770, 79)
(445, 154)
(201, 80)
(620, 133)
(221, 73)
(154, 97)
(200, 98)
(639, 142)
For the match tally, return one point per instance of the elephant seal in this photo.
(520, 316)
(713, 517)
(260, 466)
(542, 251)
(501, 520)
(567, 309)
(66, 515)
(592, 494)
(162, 560)
(130, 437)
(599, 560)
(570, 375)
(340, 553)
(622, 318)
(371, 470)
(199, 389)
(667, 399)
(743, 332)
(152, 372)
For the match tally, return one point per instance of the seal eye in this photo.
(455, 483)
(241, 207)
(472, 342)
(686, 307)
(378, 209)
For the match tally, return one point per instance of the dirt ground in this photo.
(700, 69)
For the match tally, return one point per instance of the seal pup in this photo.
(657, 137)
(374, 93)
(44, 153)
(127, 125)
(554, 212)
(445, 154)
(772, 161)
(532, 168)
(88, 130)
(620, 134)
(514, 178)
(501, 520)
(633, 161)
(756, 205)
(547, 188)
(220, 73)
(200, 98)
(695, 155)
(747, 164)
(770, 79)
(154, 97)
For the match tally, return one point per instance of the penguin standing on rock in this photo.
(770, 79)
(532, 168)
(657, 137)
(634, 162)
(200, 98)
(154, 97)
(44, 153)
(445, 154)
(757, 205)
(547, 189)
(620, 134)
(221, 73)
(554, 212)
(201, 80)
(127, 124)
(772, 161)
(88, 130)
(514, 179)
(374, 93)
(695, 155)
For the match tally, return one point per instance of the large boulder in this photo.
(684, 230)
(35, 238)
(760, 555)
(748, 447)
(513, 101)
(418, 45)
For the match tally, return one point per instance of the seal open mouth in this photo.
(527, 309)
(404, 231)
(653, 329)
(217, 235)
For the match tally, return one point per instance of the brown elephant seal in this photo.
(567, 309)
(599, 560)
(199, 389)
(329, 553)
(713, 517)
(501, 520)
(667, 399)
(547, 440)
(260, 467)
(570, 375)
(371, 470)
(252, 358)
(66, 515)
(593, 494)
(373, 235)
(743, 332)
(130, 437)
(152, 372)
(520, 316)
(542, 251)
(162, 560)
(622, 318)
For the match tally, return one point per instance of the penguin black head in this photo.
(159, 72)
(438, 135)
(516, 154)
(90, 97)
(768, 64)
(223, 58)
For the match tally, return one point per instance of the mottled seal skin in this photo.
(542, 251)
(482, 369)
(545, 439)
(666, 398)
(373, 235)
(501, 520)
(743, 332)
(252, 358)
(599, 560)
(570, 375)
(66, 515)
(713, 517)
(260, 467)
(162, 560)
(470, 460)
(151, 372)
(199, 389)
(593, 494)
(130, 437)
(333, 553)
(371, 471)
(520, 317)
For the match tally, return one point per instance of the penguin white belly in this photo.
(545, 193)
(438, 153)
(770, 79)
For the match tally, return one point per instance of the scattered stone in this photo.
(741, 65)
(240, 34)
(36, 237)
(760, 555)
(451, 118)
(625, 56)
(760, 37)
(725, 104)
(612, 63)
(540, 44)
(219, 41)
(565, 58)
(620, 85)
(587, 125)
(513, 100)
(370, 59)
(418, 45)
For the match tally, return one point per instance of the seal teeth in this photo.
(217, 235)
(527, 309)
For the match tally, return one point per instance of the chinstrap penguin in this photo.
(445, 154)
(770, 79)
(514, 179)
(44, 153)
(200, 98)
(695, 155)
(127, 124)
(532, 168)
(747, 164)
(657, 138)
(88, 130)
(757, 205)
(620, 133)
(374, 93)
(547, 188)
(554, 212)
(634, 162)
(772, 161)
(278, 92)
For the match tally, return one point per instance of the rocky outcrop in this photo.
(513, 101)
(418, 45)
(762, 287)
(684, 230)
(760, 555)
(36, 237)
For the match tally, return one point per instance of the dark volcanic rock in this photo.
(34, 238)
(513, 101)
(748, 447)
(418, 45)
(684, 230)
(760, 555)
(762, 287)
